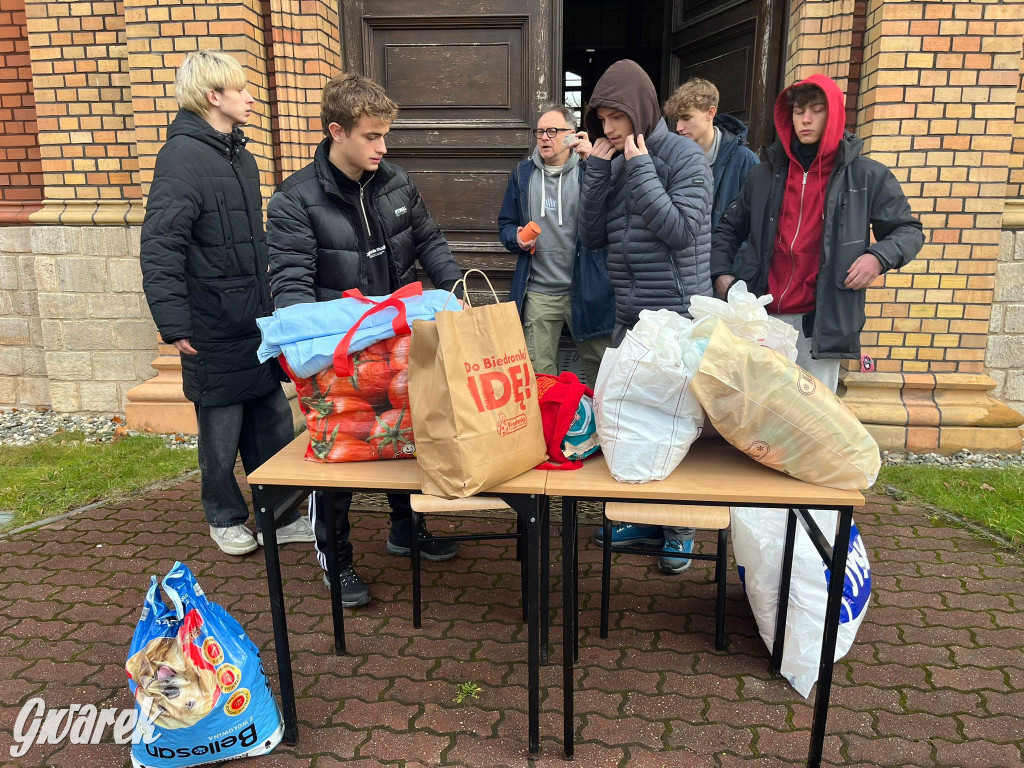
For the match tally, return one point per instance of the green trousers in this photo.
(544, 316)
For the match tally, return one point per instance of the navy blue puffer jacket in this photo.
(653, 212)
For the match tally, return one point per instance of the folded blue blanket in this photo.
(307, 334)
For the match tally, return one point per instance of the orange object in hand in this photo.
(530, 232)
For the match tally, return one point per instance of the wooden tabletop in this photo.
(289, 468)
(713, 471)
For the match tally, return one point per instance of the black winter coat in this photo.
(862, 197)
(653, 214)
(204, 261)
(315, 252)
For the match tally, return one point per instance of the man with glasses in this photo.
(557, 282)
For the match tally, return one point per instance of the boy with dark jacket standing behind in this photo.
(693, 110)
(349, 220)
(647, 198)
(204, 272)
(807, 214)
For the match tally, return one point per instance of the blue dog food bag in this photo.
(200, 691)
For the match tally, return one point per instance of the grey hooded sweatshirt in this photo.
(554, 200)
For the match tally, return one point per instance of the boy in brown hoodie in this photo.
(646, 198)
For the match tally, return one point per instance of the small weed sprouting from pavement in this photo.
(466, 690)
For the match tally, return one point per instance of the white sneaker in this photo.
(300, 530)
(234, 539)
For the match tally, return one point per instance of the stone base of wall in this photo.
(932, 413)
(159, 404)
(1004, 356)
(75, 328)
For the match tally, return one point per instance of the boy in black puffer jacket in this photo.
(204, 272)
(349, 220)
(647, 199)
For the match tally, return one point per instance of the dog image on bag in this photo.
(171, 672)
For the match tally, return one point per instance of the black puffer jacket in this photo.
(204, 260)
(652, 213)
(862, 198)
(315, 250)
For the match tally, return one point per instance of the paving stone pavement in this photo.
(936, 677)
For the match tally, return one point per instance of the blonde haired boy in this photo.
(204, 272)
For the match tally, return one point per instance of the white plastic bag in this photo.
(745, 315)
(758, 540)
(646, 415)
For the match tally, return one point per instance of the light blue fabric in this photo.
(308, 334)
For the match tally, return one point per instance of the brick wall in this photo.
(21, 180)
(86, 132)
(937, 105)
(305, 54)
(1005, 349)
(159, 36)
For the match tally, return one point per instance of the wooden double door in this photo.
(470, 75)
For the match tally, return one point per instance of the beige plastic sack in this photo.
(780, 415)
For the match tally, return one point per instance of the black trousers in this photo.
(400, 508)
(256, 429)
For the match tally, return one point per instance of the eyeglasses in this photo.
(550, 132)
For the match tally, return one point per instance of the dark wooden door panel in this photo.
(736, 45)
(468, 76)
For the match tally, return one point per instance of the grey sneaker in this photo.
(300, 530)
(234, 539)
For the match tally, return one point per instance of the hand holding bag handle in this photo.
(342, 361)
(465, 293)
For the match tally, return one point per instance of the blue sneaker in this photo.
(672, 563)
(629, 535)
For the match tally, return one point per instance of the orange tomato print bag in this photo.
(358, 409)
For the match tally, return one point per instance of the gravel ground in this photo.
(24, 427)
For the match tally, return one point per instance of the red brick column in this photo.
(305, 48)
(21, 178)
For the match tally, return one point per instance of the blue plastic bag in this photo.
(200, 689)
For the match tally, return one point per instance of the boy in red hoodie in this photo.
(807, 214)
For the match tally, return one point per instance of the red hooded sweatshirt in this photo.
(793, 275)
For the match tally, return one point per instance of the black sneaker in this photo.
(353, 592)
(400, 543)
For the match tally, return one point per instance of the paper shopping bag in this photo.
(473, 398)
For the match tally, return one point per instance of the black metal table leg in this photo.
(545, 579)
(574, 521)
(783, 607)
(333, 572)
(837, 579)
(570, 610)
(417, 588)
(531, 543)
(279, 620)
